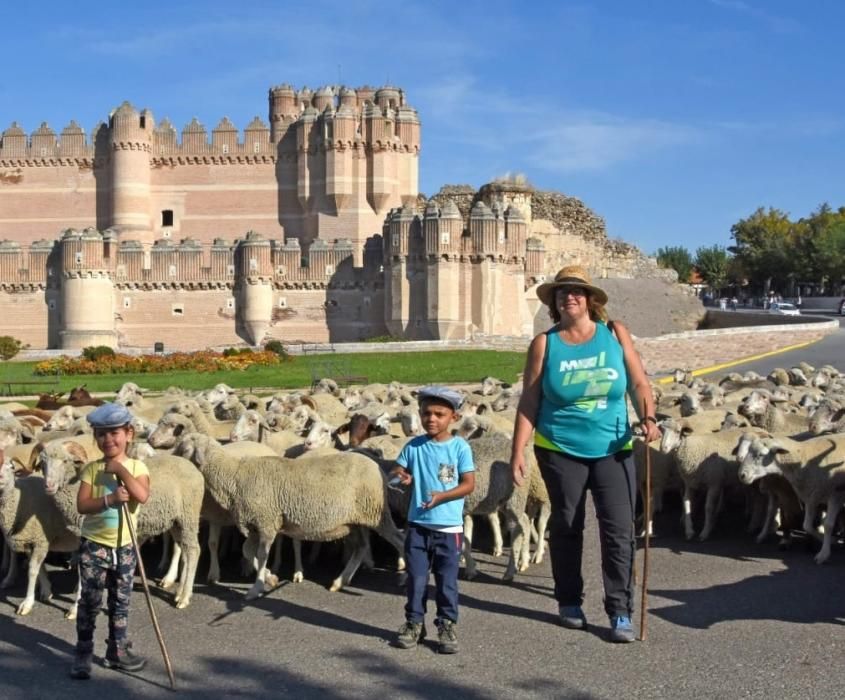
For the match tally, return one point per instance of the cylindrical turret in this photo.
(283, 111)
(87, 299)
(304, 146)
(131, 147)
(483, 230)
(254, 285)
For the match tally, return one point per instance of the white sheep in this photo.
(703, 460)
(32, 524)
(315, 499)
(763, 412)
(828, 417)
(495, 492)
(816, 470)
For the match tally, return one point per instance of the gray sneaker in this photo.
(121, 657)
(572, 617)
(621, 629)
(447, 639)
(410, 634)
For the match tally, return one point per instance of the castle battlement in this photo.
(333, 117)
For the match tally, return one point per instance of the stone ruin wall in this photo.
(570, 232)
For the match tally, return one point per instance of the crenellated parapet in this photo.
(490, 234)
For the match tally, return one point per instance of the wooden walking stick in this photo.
(149, 598)
(647, 509)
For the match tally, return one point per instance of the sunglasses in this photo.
(574, 291)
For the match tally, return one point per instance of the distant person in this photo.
(439, 469)
(799, 302)
(734, 302)
(576, 378)
(723, 304)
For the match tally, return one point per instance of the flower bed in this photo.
(203, 361)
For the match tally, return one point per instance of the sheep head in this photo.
(169, 430)
(61, 419)
(760, 459)
(60, 463)
(248, 427)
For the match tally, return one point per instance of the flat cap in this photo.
(110, 415)
(441, 393)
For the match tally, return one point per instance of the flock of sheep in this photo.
(312, 466)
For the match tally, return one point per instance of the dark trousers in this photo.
(429, 550)
(612, 482)
(104, 569)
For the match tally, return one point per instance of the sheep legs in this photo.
(173, 569)
(711, 510)
(689, 531)
(360, 547)
(214, 552)
(35, 572)
(542, 523)
(496, 530)
(519, 528)
(834, 503)
(264, 579)
(298, 575)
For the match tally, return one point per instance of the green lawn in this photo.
(442, 366)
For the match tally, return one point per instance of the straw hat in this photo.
(570, 276)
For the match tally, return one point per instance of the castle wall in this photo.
(38, 200)
(26, 316)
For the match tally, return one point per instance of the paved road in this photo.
(830, 350)
(728, 618)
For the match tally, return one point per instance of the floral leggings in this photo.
(104, 568)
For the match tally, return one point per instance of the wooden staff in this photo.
(147, 595)
(647, 518)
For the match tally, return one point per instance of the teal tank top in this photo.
(583, 411)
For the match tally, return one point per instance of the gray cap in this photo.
(109, 415)
(441, 393)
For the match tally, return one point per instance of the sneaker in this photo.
(621, 629)
(410, 634)
(447, 639)
(121, 657)
(82, 662)
(572, 617)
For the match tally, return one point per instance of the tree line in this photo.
(771, 253)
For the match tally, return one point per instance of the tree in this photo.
(676, 258)
(9, 347)
(712, 265)
(765, 246)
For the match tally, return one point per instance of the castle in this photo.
(320, 207)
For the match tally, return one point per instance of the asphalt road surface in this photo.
(728, 618)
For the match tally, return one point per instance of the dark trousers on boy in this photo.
(439, 552)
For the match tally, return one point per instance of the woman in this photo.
(574, 385)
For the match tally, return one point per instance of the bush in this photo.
(234, 352)
(277, 347)
(95, 352)
(203, 361)
(383, 339)
(9, 347)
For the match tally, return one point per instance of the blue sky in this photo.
(670, 118)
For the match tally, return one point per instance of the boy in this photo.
(439, 469)
(106, 555)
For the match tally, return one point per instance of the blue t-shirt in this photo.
(435, 466)
(583, 411)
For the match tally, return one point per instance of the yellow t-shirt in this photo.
(108, 527)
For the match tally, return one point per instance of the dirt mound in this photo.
(651, 307)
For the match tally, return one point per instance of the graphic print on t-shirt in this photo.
(447, 473)
(596, 378)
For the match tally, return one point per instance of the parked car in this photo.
(784, 308)
(842, 308)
